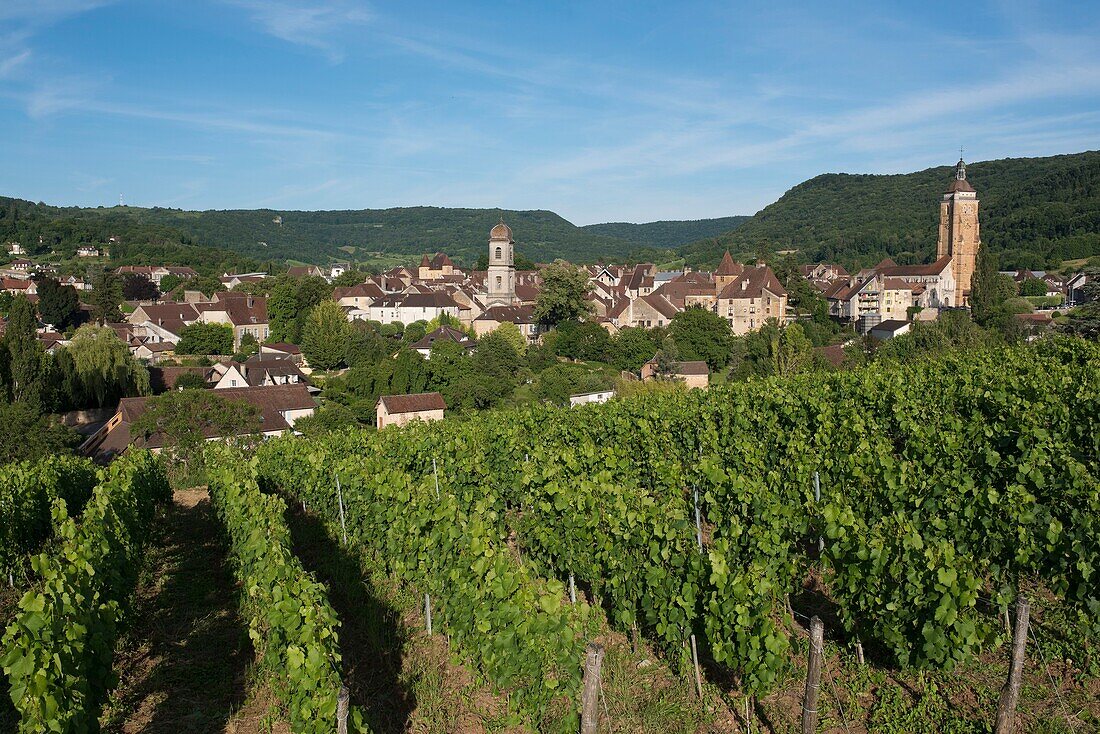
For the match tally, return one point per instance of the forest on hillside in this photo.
(42, 229)
(1034, 212)
(667, 233)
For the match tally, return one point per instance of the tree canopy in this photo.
(562, 297)
(325, 336)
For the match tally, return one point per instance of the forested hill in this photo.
(367, 235)
(44, 229)
(1034, 211)
(669, 233)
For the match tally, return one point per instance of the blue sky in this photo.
(600, 111)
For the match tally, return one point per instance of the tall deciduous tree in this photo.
(59, 305)
(325, 336)
(185, 419)
(205, 339)
(792, 351)
(106, 296)
(137, 287)
(702, 335)
(989, 289)
(562, 297)
(26, 365)
(104, 366)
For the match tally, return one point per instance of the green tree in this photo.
(26, 365)
(59, 305)
(169, 282)
(515, 337)
(792, 351)
(1033, 287)
(1083, 321)
(349, 278)
(105, 297)
(29, 435)
(496, 357)
(587, 341)
(414, 332)
(200, 338)
(290, 303)
(562, 297)
(325, 337)
(207, 285)
(410, 374)
(702, 335)
(247, 348)
(137, 287)
(104, 366)
(555, 384)
(989, 289)
(185, 419)
(631, 348)
(365, 346)
(190, 381)
(330, 418)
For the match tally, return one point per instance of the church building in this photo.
(500, 281)
(959, 238)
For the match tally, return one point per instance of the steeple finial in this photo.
(960, 168)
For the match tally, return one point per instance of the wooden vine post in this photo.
(1010, 694)
(342, 711)
(813, 676)
(590, 696)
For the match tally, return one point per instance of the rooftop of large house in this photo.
(752, 282)
(273, 402)
(417, 403)
(445, 334)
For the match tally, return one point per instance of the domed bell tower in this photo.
(500, 282)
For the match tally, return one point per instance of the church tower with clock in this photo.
(959, 237)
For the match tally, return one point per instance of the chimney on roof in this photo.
(744, 285)
(250, 300)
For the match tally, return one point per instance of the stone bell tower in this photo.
(500, 282)
(959, 236)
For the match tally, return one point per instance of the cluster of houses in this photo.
(620, 296)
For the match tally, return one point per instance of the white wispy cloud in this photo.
(315, 24)
(9, 65)
(44, 12)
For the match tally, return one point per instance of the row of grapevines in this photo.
(450, 545)
(28, 490)
(59, 648)
(940, 480)
(934, 475)
(291, 621)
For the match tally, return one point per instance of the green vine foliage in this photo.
(28, 490)
(291, 621)
(518, 628)
(943, 482)
(59, 648)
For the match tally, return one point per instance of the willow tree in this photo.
(104, 367)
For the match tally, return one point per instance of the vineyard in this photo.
(911, 508)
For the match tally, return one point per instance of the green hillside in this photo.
(668, 233)
(44, 229)
(1034, 211)
(378, 236)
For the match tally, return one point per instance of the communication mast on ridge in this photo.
(120, 202)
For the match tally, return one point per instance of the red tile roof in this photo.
(413, 403)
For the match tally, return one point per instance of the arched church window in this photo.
(498, 281)
(498, 253)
